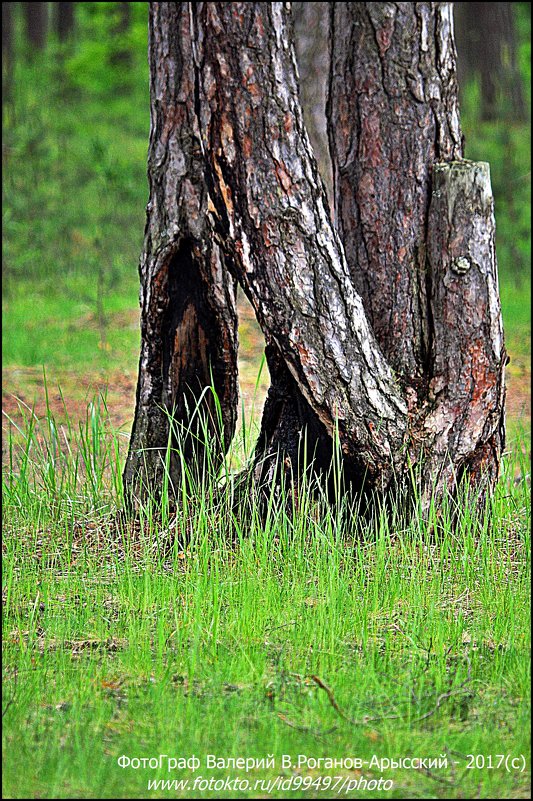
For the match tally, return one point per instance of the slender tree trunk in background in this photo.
(36, 19)
(393, 343)
(188, 322)
(7, 52)
(7, 27)
(64, 19)
(487, 47)
(122, 54)
(466, 38)
(64, 28)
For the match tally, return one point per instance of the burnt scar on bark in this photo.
(185, 332)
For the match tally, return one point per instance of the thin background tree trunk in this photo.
(36, 18)
(487, 45)
(311, 33)
(122, 56)
(64, 20)
(7, 51)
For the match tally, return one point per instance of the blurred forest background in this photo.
(76, 120)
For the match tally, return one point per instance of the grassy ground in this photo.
(327, 637)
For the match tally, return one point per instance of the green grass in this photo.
(48, 329)
(516, 311)
(323, 636)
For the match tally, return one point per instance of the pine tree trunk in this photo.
(64, 20)
(368, 343)
(392, 113)
(409, 210)
(272, 219)
(188, 317)
(36, 18)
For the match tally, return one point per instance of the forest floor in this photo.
(69, 391)
(323, 649)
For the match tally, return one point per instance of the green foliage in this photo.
(110, 60)
(74, 192)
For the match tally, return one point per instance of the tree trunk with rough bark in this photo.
(368, 342)
(272, 218)
(188, 322)
(396, 146)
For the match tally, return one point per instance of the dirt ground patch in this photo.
(70, 392)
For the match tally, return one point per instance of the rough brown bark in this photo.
(36, 19)
(271, 216)
(188, 318)
(392, 116)
(234, 183)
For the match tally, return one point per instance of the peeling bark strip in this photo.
(271, 216)
(188, 320)
(463, 431)
(392, 113)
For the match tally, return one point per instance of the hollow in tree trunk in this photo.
(188, 322)
(385, 333)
